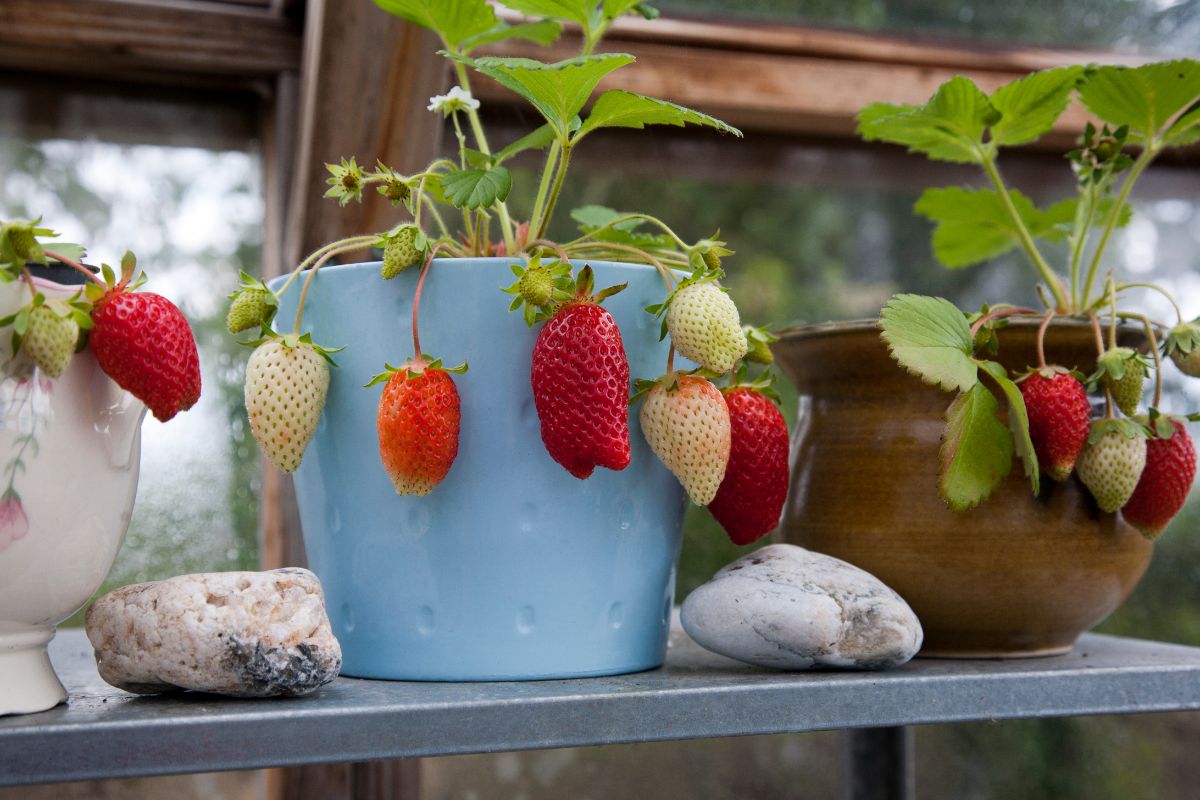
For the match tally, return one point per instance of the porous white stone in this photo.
(245, 634)
(788, 608)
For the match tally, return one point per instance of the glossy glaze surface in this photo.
(70, 454)
(511, 568)
(1017, 576)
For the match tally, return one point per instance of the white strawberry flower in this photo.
(457, 99)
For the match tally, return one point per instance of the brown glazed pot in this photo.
(1017, 576)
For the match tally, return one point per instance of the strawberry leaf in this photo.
(947, 128)
(1018, 422)
(973, 224)
(930, 338)
(1030, 106)
(477, 188)
(1145, 98)
(976, 452)
(455, 21)
(542, 32)
(536, 139)
(621, 109)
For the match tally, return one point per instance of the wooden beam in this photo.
(156, 40)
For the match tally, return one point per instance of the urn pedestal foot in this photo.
(27, 681)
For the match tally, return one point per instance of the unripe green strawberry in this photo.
(686, 422)
(1183, 346)
(286, 383)
(1112, 461)
(536, 286)
(705, 326)
(23, 241)
(251, 308)
(400, 252)
(50, 340)
(1123, 372)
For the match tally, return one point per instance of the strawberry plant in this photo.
(460, 207)
(1139, 113)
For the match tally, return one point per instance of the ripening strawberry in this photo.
(286, 383)
(143, 342)
(750, 498)
(1112, 461)
(580, 378)
(400, 252)
(705, 326)
(418, 422)
(1059, 418)
(1165, 483)
(686, 421)
(49, 340)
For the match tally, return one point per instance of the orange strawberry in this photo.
(419, 420)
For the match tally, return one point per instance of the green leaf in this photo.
(455, 21)
(1029, 106)
(1018, 422)
(621, 109)
(930, 338)
(591, 217)
(947, 128)
(617, 8)
(560, 90)
(976, 451)
(534, 140)
(477, 188)
(1145, 98)
(1186, 128)
(542, 32)
(577, 11)
(973, 224)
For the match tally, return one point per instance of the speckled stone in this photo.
(244, 634)
(788, 608)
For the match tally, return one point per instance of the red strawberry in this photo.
(1166, 480)
(419, 420)
(580, 382)
(143, 342)
(1059, 418)
(750, 499)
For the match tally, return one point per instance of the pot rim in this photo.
(814, 330)
(499, 261)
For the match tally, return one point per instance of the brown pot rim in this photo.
(813, 330)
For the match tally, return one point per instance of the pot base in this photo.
(995, 655)
(28, 683)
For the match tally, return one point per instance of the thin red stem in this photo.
(1041, 339)
(417, 298)
(1108, 401)
(28, 278)
(75, 265)
(671, 359)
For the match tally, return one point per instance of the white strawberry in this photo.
(686, 421)
(287, 379)
(1112, 461)
(705, 326)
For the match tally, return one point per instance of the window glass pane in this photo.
(193, 216)
(1164, 26)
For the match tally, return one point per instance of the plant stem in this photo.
(1108, 401)
(360, 241)
(27, 276)
(663, 272)
(417, 298)
(998, 313)
(544, 184)
(557, 248)
(75, 265)
(1178, 313)
(1115, 214)
(464, 81)
(1026, 239)
(625, 218)
(1110, 290)
(312, 274)
(425, 201)
(1078, 241)
(671, 359)
(554, 192)
(1041, 339)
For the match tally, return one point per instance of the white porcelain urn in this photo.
(69, 454)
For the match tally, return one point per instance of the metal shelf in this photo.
(107, 733)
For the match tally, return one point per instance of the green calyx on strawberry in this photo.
(540, 287)
(1166, 479)
(287, 380)
(48, 331)
(703, 322)
(707, 253)
(346, 181)
(403, 246)
(253, 306)
(750, 499)
(759, 341)
(1183, 346)
(580, 379)
(143, 342)
(685, 420)
(1059, 415)
(419, 419)
(1112, 461)
(394, 186)
(1122, 371)
(19, 245)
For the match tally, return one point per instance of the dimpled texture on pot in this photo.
(1018, 575)
(511, 568)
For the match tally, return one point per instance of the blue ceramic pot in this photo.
(511, 569)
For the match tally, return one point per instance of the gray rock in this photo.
(245, 634)
(788, 608)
